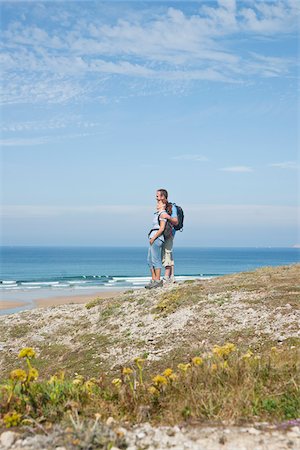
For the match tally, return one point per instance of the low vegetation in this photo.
(225, 349)
(224, 384)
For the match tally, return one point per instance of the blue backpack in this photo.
(180, 216)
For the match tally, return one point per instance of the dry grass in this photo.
(250, 309)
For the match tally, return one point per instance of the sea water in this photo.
(36, 272)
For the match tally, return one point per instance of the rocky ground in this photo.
(166, 325)
(139, 437)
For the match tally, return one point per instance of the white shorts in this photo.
(167, 252)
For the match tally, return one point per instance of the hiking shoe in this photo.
(156, 284)
(149, 285)
(167, 281)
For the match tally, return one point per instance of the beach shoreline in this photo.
(45, 302)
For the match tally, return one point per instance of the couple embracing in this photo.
(161, 237)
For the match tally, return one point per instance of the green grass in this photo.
(223, 387)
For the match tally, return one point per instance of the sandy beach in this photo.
(68, 299)
(75, 299)
(10, 304)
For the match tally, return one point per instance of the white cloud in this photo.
(291, 165)
(240, 169)
(62, 64)
(242, 215)
(41, 140)
(195, 215)
(190, 157)
(41, 211)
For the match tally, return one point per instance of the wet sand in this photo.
(10, 305)
(59, 300)
(66, 300)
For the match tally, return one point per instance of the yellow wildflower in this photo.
(173, 377)
(197, 361)
(27, 352)
(152, 390)
(247, 355)
(19, 375)
(116, 382)
(12, 419)
(184, 367)
(225, 350)
(159, 380)
(33, 374)
(78, 380)
(224, 365)
(214, 367)
(168, 372)
(139, 362)
(127, 371)
(89, 385)
(274, 349)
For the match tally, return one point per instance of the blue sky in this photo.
(104, 102)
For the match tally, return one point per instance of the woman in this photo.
(156, 240)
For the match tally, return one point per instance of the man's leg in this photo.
(168, 257)
(168, 271)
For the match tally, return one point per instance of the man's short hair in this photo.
(163, 192)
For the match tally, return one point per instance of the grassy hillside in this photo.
(209, 350)
(257, 309)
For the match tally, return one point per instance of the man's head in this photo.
(162, 195)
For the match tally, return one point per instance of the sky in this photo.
(102, 103)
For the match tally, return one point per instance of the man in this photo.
(167, 249)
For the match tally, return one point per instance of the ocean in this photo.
(39, 272)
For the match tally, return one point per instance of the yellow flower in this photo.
(184, 367)
(152, 390)
(224, 365)
(78, 380)
(116, 382)
(27, 352)
(247, 355)
(214, 367)
(160, 380)
(168, 372)
(173, 377)
(12, 419)
(33, 374)
(139, 362)
(127, 371)
(274, 349)
(19, 375)
(89, 385)
(224, 350)
(197, 361)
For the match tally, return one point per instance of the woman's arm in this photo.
(162, 226)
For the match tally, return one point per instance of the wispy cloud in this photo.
(290, 165)
(61, 123)
(203, 215)
(43, 63)
(240, 169)
(190, 157)
(41, 140)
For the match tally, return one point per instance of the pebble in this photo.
(141, 435)
(110, 421)
(7, 438)
(253, 431)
